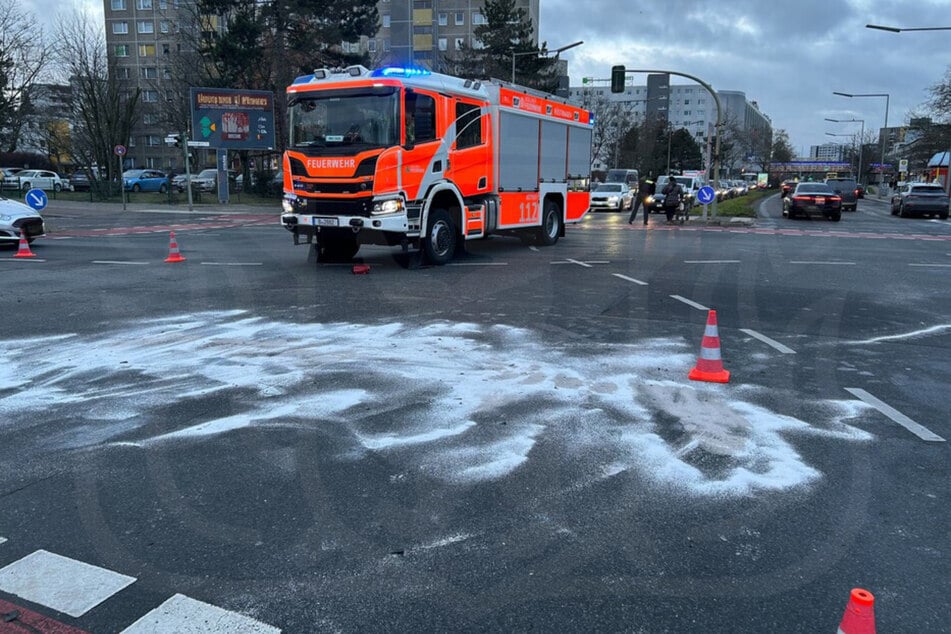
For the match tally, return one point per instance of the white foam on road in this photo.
(61, 583)
(461, 402)
(183, 615)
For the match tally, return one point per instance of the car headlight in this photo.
(649, 200)
(288, 204)
(613, 200)
(391, 206)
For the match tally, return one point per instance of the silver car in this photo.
(15, 217)
(616, 196)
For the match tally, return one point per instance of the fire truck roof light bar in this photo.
(400, 71)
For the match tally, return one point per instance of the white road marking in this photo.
(907, 335)
(61, 583)
(3, 540)
(233, 263)
(118, 262)
(23, 260)
(533, 249)
(918, 430)
(931, 265)
(769, 342)
(478, 264)
(821, 262)
(584, 264)
(711, 261)
(188, 616)
(629, 279)
(690, 302)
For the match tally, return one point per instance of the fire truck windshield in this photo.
(335, 118)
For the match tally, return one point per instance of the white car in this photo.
(15, 217)
(615, 196)
(43, 179)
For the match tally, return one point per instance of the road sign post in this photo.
(120, 151)
(705, 196)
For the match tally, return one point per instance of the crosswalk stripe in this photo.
(61, 583)
(183, 615)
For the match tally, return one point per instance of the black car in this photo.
(846, 188)
(923, 199)
(80, 181)
(813, 199)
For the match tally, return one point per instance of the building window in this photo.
(477, 43)
(386, 45)
(166, 49)
(371, 46)
(120, 28)
(149, 118)
(166, 73)
(478, 18)
(150, 96)
(459, 43)
(460, 18)
(122, 50)
(443, 19)
(386, 20)
(163, 5)
(118, 5)
(152, 140)
(146, 50)
(143, 5)
(145, 26)
(149, 72)
(443, 44)
(422, 30)
(122, 72)
(163, 26)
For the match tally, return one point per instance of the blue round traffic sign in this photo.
(36, 198)
(705, 195)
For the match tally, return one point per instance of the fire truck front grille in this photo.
(335, 188)
(359, 207)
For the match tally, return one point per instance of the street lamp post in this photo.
(541, 53)
(842, 145)
(881, 191)
(861, 139)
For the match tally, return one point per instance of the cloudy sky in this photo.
(787, 56)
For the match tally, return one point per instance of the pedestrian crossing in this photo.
(74, 588)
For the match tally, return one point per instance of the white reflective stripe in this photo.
(710, 331)
(710, 354)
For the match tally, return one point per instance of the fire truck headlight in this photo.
(392, 206)
(287, 204)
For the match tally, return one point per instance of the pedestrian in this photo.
(645, 189)
(673, 198)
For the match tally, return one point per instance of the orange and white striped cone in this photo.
(709, 364)
(859, 617)
(24, 250)
(173, 254)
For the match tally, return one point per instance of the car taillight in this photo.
(802, 197)
(856, 192)
(835, 198)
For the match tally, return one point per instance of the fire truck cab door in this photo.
(426, 157)
(470, 151)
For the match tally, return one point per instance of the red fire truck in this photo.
(399, 156)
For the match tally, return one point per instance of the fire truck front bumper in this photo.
(304, 223)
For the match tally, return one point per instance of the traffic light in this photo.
(618, 77)
(178, 140)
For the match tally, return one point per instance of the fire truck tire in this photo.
(440, 242)
(551, 224)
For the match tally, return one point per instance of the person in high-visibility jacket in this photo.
(645, 189)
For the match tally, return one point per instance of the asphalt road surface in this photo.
(248, 441)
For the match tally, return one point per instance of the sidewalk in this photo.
(86, 208)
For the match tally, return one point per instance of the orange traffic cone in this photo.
(173, 253)
(859, 617)
(24, 250)
(709, 365)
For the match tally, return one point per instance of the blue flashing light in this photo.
(400, 71)
(304, 79)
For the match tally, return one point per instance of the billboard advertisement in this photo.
(233, 119)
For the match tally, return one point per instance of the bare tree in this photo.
(23, 55)
(104, 112)
(611, 124)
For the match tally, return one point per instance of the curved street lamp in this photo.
(884, 134)
(542, 53)
(896, 29)
(861, 139)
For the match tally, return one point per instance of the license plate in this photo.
(820, 200)
(325, 222)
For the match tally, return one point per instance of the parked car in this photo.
(8, 177)
(145, 181)
(207, 180)
(920, 199)
(845, 187)
(42, 179)
(178, 181)
(813, 199)
(79, 181)
(15, 217)
(614, 196)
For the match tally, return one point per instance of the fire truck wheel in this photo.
(551, 225)
(440, 243)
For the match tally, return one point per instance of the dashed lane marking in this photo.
(3, 540)
(478, 264)
(233, 263)
(918, 430)
(690, 303)
(61, 583)
(629, 279)
(183, 614)
(769, 342)
(119, 262)
(822, 262)
(931, 265)
(23, 260)
(711, 261)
